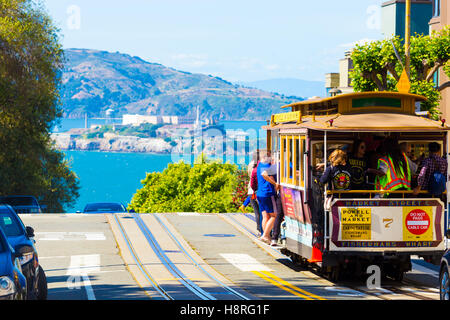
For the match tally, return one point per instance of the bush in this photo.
(206, 187)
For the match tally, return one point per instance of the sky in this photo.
(237, 40)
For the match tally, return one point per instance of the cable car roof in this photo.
(360, 111)
(365, 122)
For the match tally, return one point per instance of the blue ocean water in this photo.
(115, 177)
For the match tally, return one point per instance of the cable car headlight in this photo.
(7, 286)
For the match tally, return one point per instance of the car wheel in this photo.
(42, 285)
(444, 284)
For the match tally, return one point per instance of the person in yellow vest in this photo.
(394, 169)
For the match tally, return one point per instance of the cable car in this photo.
(345, 231)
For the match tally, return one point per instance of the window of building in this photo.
(292, 160)
(436, 8)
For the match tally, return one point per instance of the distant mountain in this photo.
(96, 81)
(290, 87)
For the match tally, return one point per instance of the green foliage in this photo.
(376, 67)
(241, 191)
(428, 89)
(206, 187)
(31, 61)
(447, 68)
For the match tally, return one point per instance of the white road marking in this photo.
(70, 236)
(188, 214)
(340, 291)
(79, 268)
(83, 264)
(54, 257)
(244, 262)
(87, 285)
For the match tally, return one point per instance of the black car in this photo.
(105, 207)
(23, 204)
(21, 239)
(13, 284)
(444, 281)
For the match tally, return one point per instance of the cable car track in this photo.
(141, 267)
(224, 286)
(169, 265)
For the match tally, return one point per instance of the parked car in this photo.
(444, 280)
(21, 238)
(105, 207)
(23, 204)
(13, 284)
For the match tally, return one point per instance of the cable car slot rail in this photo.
(187, 255)
(141, 267)
(168, 264)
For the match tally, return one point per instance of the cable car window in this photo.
(283, 159)
(292, 160)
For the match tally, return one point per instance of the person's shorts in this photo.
(267, 204)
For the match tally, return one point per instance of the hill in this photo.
(95, 81)
(290, 87)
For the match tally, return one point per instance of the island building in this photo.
(137, 120)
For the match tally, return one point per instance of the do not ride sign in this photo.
(417, 224)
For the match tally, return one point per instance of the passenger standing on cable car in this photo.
(266, 193)
(394, 169)
(434, 163)
(358, 162)
(338, 174)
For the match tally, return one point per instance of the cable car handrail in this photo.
(370, 192)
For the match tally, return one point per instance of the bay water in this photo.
(115, 177)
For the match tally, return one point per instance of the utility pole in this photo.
(408, 37)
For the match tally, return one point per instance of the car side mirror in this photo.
(30, 232)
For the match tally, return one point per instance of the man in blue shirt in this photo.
(267, 189)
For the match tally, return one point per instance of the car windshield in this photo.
(104, 207)
(10, 224)
(18, 201)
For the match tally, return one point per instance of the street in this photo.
(190, 256)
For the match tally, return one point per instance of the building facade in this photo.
(336, 83)
(393, 17)
(440, 19)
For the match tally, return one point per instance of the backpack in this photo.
(437, 184)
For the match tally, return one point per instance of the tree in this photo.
(206, 187)
(31, 62)
(376, 67)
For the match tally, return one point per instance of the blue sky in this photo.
(243, 40)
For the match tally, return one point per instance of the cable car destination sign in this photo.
(295, 116)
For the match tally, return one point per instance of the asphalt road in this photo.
(81, 259)
(188, 257)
